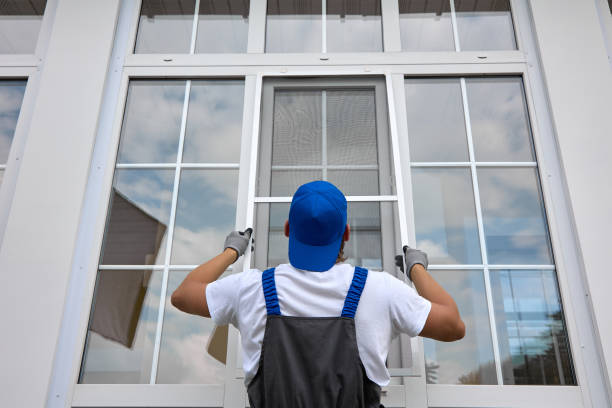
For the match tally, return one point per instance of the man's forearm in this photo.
(429, 288)
(210, 271)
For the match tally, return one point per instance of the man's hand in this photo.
(238, 241)
(413, 257)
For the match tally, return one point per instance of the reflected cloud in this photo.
(426, 25)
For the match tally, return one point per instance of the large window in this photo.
(173, 201)
(20, 23)
(11, 96)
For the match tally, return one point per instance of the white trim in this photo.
(181, 165)
(323, 26)
(348, 198)
(324, 133)
(477, 164)
(194, 27)
(454, 24)
(496, 267)
(328, 166)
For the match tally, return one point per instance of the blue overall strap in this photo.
(354, 292)
(269, 290)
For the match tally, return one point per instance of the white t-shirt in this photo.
(387, 307)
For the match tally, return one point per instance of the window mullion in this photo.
(454, 24)
(324, 26)
(194, 28)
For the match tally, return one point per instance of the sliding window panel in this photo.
(445, 215)
(20, 23)
(214, 122)
(205, 214)
(294, 26)
(284, 183)
(152, 121)
(533, 340)
(165, 26)
(436, 122)
(425, 25)
(223, 26)
(122, 326)
(11, 97)
(485, 25)
(139, 213)
(353, 26)
(469, 360)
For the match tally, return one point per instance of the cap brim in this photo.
(313, 258)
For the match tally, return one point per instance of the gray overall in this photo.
(309, 362)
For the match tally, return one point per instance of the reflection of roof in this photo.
(23, 8)
(136, 206)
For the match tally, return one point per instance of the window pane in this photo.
(353, 26)
(165, 26)
(205, 214)
(499, 118)
(293, 26)
(121, 336)
(214, 122)
(445, 215)
(425, 25)
(285, 182)
(355, 182)
(223, 26)
(139, 215)
(436, 122)
(1, 176)
(514, 220)
(19, 25)
(11, 96)
(533, 341)
(182, 357)
(469, 360)
(152, 122)
(485, 25)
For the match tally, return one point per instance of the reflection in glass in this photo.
(1, 176)
(445, 215)
(121, 335)
(285, 182)
(514, 220)
(425, 25)
(533, 340)
(469, 360)
(296, 138)
(205, 214)
(355, 182)
(214, 122)
(485, 25)
(152, 122)
(20, 23)
(436, 123)
(182, 356)
(351, 127)
(499, 119)
(293, 26)
(11, 96)
(223, 26)
(353, 26)
(165, 26)
(138, 217)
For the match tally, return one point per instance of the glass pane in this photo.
(445, 215)
(284, 183)
(205, 214)
(138, 217)
(11, 96)
(425, 25)
(485, 25)
(353, 26)
(499, 118)
(121, 336)
(293, 26)
(469, 360)
(1, 176)
(152, 122)
(514, 220)
(533, 342)
(296, 138)
(436, 122)
(20, 23)
(165, 26)
(223, 26)
(351, 127)
(214, 122)
(355, 182)
(182, 356)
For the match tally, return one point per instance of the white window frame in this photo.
(254, 66)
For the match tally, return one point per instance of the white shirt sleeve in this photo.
(408, 309)
(222, 297)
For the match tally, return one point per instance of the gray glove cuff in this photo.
(413, 257)
(238, 241)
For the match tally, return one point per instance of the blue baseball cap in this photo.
(317, 219)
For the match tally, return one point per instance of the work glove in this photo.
(413, 257)
(238, 241)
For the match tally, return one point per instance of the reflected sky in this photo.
(165, 26)
(485, 25)
(469, 360)
(293, 26)
(11, 96)
(353, 26)
(20, 23)
(445, 215)
(515, 226)
(223, 26)
(425, 25)
(152, 121)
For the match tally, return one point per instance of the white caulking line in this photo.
(329, 167)
(348, 198)
(477, 164)
(220, 166)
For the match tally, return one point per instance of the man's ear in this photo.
(287, 228)
(347, 233)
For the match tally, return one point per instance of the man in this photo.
(316, 332)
